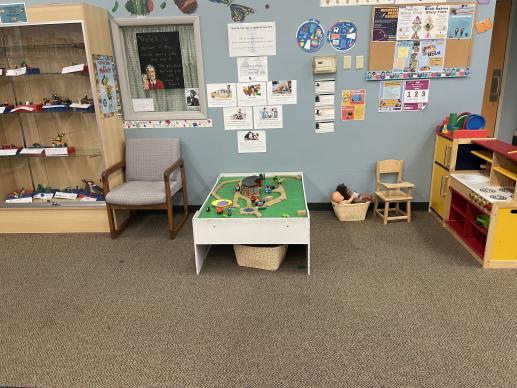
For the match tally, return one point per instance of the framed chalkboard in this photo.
(160, 67)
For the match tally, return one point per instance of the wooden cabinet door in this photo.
(439, 187)
(443, 151)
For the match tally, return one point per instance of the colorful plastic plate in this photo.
(221, 203)
(475, 122)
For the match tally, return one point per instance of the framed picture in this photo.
(160, 68)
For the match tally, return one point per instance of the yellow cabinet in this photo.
(439, 189)
(443, 151)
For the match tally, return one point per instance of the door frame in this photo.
(513, 19)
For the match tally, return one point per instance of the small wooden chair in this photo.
(392, 192)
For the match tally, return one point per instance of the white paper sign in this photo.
(32, 151)
(143, 105)
(72, 69)
(77, 105)
(88, 199)
(282, 92)
(221, 95)
(2, 109)
(238, 118)
(56, 151)
(251, 39)
(251, 69)
(268, 117)
(252, 94)
(251, 141)
(325, 127)
(25, 108)
(9, 152)
(324, 99)
(43, 196)
(63, 195)
(325, 86)
(16, 72)
(19, 200)
(326, 113)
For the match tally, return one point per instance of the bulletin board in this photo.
(421, 41)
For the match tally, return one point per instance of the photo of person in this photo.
(239, 115)
(151, 82)
(192, 99)
(268, 116)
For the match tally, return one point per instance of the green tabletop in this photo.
(289, 187)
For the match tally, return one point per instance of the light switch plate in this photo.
(359, 62)
(347, 62)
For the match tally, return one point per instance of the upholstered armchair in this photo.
(154, 172)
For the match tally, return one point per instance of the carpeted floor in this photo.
(396, 305)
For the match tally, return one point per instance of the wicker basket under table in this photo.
(268, 257)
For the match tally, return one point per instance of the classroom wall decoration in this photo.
(161, 65)
(342, 35)
(421, 41)
(345, 3)
(310, 36)
(238, 12)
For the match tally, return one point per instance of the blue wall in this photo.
(349, 154)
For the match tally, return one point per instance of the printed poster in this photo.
(432, 55)
(221, 95)
(282, 92)
(268, 117)
(410, 23)
(324, 127)
(436, 20)
(251, 39)
(192, 99)
(238, 118)
(252, 93)
(416, 95)
(251, 69)
(324, 113)
(391, 94)
(385, 21)
(353, 103)
(406, 56)
(160, 59)
(461, 18)
(327, 86)
(106, 84)
(13, 13)
(251, 141)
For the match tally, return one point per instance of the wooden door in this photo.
(495, 69)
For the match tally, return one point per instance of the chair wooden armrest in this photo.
(401, 185)
(167, 173)
(109, 171)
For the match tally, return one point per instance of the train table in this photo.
(258, 209)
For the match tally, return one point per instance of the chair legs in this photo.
(114, 232)
(384, 213)
(173, 230)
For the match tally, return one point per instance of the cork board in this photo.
(455, 32)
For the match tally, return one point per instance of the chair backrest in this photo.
(147, 159)
(389, 166)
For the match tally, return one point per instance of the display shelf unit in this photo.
(56, 36)
(489, 192)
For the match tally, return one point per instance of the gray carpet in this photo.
(396, 305)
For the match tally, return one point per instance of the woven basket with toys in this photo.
(349, 205)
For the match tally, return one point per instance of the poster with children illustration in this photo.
(436, 20)
(461, 18)
(432, 55)
(252, 93)
(106, 85)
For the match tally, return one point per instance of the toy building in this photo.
(251, 186)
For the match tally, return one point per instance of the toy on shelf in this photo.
(29, 70)
(56, 104)
(58, 141)
(85, 105)
(44, 193)
(6, 107)
(463, 126)
(27, 107)
(91, 191)
(20, 196)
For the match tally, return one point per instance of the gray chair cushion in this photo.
(141, 193)
(147, 159)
